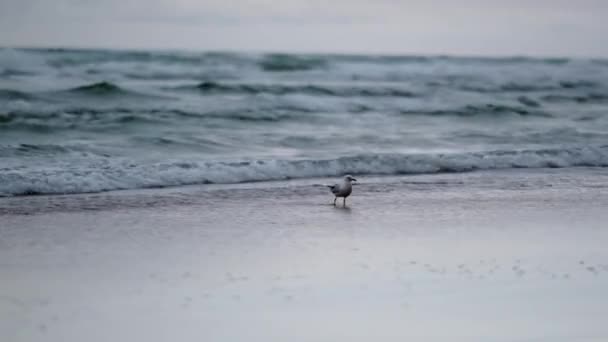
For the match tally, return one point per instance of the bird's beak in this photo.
(352, 179)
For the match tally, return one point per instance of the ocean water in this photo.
(77, 121)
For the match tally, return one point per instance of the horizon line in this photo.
(304, 52)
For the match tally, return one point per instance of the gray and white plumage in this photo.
(343, 189)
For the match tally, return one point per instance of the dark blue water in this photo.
(92, 120)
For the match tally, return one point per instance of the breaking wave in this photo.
(104, 174)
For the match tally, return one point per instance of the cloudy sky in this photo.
(464, 27)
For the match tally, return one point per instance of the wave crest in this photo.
(285, 63)
(481, 110)
(11, 95)
(99, 88)
(209, 87)
(103, 174)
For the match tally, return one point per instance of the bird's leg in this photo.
(335, 198)
(344, 202)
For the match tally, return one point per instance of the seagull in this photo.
(342, 190)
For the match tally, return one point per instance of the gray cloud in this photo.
(472, 27)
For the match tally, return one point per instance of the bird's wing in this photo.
(334, 188)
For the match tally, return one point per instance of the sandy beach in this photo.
(168, 171)
(481, 256)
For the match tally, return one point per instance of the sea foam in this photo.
(103, 175)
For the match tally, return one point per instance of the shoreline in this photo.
(533, 179)
(482, 256)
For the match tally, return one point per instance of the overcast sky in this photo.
(461, 27)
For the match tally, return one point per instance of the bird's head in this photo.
(349, 178)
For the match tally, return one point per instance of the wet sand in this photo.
(481, 256)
